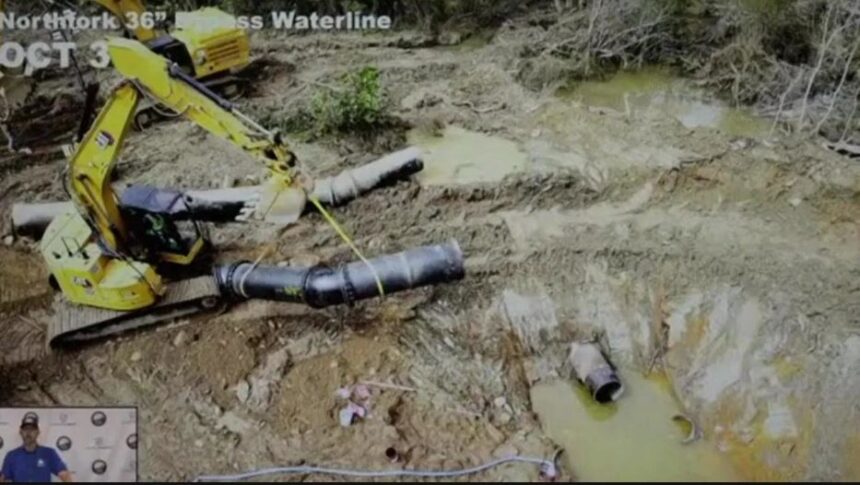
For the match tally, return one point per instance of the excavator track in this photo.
(75, 324)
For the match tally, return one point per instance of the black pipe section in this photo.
(603, 384)
(321, 286)
(594, 370)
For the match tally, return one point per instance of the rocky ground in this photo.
(731, 264)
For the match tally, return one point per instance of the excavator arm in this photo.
(93, 162)
(281, 200)
(148, 74)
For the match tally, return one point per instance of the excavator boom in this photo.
(281, 201)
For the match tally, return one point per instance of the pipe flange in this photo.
(227, 281)
(349, 293)
(307, 296)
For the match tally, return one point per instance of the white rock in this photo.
(346, 416)
(136, 356)
(180, 338)
(232, 422)
(500, 402)
(795, 201)
(243, 391)
(8, 240)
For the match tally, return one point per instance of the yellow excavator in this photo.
(207, 44)
(110, 254)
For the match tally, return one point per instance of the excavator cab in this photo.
(213, 42)
(162, 225)
(206, 42)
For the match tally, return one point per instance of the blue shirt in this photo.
(21, 465)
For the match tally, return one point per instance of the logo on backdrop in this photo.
(99, 444)
(64, 443)
(131, 418)
(99, 418)
(63, 420)
(1, 443)
(99, 467)
(131, 441)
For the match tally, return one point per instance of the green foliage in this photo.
(356, 105)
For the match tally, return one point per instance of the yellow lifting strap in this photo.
(340, 232)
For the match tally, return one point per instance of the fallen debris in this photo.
(353, 411)
(384, 385)
(693, 431)
(843, 148)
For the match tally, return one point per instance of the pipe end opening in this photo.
(608, 392)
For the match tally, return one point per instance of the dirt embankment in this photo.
(728, 262)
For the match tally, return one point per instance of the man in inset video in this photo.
(31, 462)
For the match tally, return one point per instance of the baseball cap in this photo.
(30, 420)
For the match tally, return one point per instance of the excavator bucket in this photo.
(280, 203)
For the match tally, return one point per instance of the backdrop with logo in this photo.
(97, 444)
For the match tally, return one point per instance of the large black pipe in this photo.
(323, 286)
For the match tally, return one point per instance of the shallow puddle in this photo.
(658, 89)
(461, 156)
(633, 439)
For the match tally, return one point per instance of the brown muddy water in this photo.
(457, 156)
(632, 439)
(657, 91)
(461, 156)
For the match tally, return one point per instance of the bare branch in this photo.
(839, 87)
(782, 102)
(826, 41)
(850, 119)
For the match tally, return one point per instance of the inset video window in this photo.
(68, 444)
